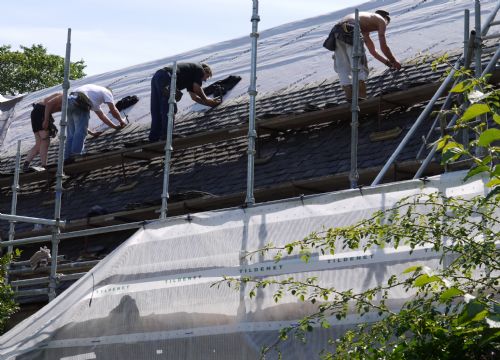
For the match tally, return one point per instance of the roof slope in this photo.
(290, 57)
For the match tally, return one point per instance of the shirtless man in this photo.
(368, 22)
(41, 116)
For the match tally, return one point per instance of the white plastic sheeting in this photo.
(152, 297)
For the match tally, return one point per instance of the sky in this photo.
(110, 35)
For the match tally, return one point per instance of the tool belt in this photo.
(344, 31)
(166, 89)
(82, 101)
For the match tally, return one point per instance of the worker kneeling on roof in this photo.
(344, 33)
(190, 76)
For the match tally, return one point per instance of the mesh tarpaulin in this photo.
(152, 297)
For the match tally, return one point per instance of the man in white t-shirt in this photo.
(80, 102)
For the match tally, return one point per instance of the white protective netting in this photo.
(152, 297)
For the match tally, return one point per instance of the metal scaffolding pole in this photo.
(15, 189)
(75, 234)
(468, 52)
(28, 219)
(480, 151)
(467, 56)
(431, 154)
(429, 106)
(168, 143)
(60, 165)
(479, 40)
(356, 56)
(252, 91)
(419, 120)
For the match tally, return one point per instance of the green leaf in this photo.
(493, 183)
(412, 269)
(450, 293)
(451, 153)
(477, 170)
(496, 118)
(474, 111)
(473, 311)
(488, 136)
(461, 87)
(425, 279)
(494, 192)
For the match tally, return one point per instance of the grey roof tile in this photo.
(220, 168)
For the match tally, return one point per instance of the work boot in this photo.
(362, 90)
(348, 92)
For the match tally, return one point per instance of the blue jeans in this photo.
(159, 105)
(78, 123)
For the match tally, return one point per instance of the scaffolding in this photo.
(477, 36)
(472, 41)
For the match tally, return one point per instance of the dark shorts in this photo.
(37, 115)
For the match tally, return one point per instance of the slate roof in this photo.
(219, 169)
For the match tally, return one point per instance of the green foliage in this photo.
(453, 307)
(483, 105)
(33, 69)
(8, 306)
(453, 311)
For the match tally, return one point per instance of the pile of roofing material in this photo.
(152, 297)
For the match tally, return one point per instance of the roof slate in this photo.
(219, 168)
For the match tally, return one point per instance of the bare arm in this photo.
(116, 114)
(106, 120)
(389, 59)
(387, 51)
(371, 48)
(198, 95)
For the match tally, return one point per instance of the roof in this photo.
(290, 58)
(316, 147)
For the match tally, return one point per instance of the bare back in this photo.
(369, 22)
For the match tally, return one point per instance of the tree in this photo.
(33, 69)
(8, 306)
(454, 311)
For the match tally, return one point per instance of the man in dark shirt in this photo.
(190, 76)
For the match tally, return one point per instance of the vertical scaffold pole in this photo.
(56, 231)
(13, 208)
(479, 38)
(252, 91)
(15, 189)
(356, 56)
(464, 132)
(480, 151)
(466, 34)
(168, 143)
(487, 70)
